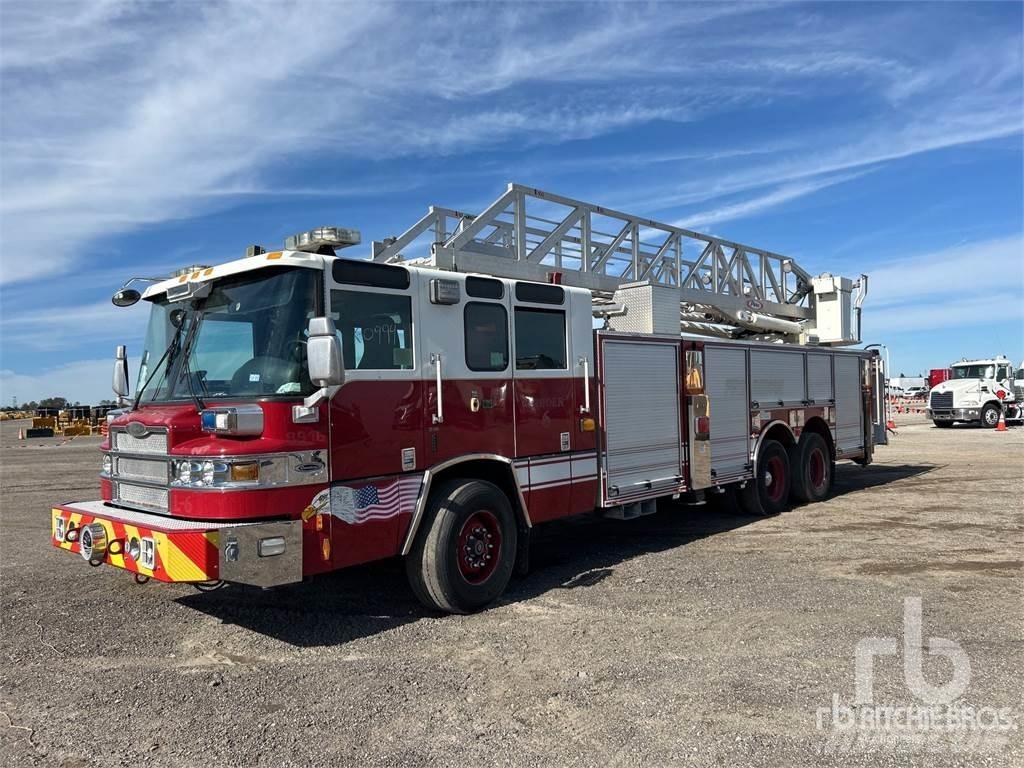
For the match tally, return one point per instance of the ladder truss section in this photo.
(528, 234)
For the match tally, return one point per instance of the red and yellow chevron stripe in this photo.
(181, 555)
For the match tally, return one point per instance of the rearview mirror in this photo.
(323, 354)
(119, 382)
(125, 297)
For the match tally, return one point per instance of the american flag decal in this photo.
(375, 501)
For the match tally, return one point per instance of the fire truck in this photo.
(297, 412)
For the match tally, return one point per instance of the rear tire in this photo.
(768, 492)
(812, 468)
(942, 424)
(463, 557)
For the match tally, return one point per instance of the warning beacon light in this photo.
(324, 240)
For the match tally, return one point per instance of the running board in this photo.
(633, 510)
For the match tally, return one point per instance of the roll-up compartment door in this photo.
(849, 407)
(819, 378)
(776, 377)
(643, 440)
(725, 381)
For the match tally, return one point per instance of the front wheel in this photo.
(768, 492)
(464, 558)
(990, 415)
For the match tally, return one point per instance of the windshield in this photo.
(973, 372)
(246, 339)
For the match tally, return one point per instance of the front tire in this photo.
(464, 557)
(990, 415)
(768, 492)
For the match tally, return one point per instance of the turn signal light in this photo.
(702, 426)
(249, 471)
(587, 424)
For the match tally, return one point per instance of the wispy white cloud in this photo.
(47, 330)
(195, 121)
(87, 381)
(976, 283)
(754, 205)
(951, 312)
(983, 267)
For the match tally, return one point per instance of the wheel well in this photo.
(499, 473)
(780, 432)
(818, 426)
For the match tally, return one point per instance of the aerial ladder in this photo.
(645, 276)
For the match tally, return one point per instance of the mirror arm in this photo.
(308, 412)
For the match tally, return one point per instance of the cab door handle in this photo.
(438, 417)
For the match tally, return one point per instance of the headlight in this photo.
(215, 473)
(257, 471)
(183, 473)
(969, 403)
(108, 464)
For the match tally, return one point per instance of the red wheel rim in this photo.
(776, 485)
(817, 467)
(479, 547)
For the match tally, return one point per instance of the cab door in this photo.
(466, 367)
(377, 416)
(543, 382)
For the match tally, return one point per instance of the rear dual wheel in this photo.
(768, 492)
(812, 468)
(465, 552)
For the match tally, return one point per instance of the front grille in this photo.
(154, 442)
(942, 400)
(151, 470)
(140, 495)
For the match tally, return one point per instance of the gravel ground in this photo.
(693, 636)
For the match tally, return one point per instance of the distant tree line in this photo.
(50, 402)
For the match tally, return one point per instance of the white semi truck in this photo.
(976, 393)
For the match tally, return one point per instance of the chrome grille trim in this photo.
(153, 443)
(942, 400)
(149, 470)
(141, 496)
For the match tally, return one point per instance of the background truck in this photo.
(977, 391)
(297, 412)
(938, 375)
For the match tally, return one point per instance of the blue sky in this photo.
(140, 137)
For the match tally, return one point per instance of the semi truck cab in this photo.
(977, 392)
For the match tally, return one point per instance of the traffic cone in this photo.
(21, 434)
(1001, 424)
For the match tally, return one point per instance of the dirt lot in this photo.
(691, 636)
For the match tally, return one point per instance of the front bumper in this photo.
(173, 550)
(954, 414)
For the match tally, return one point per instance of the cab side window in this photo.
(540, 339)
(486, 336)
(375, 329)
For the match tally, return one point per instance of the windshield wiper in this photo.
(175, 340)
(187, 351)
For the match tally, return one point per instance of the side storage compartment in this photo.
(642, 454)
(849, 405)
(777, 378)
(725, 381)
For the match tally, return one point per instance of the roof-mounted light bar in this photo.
(322, 238)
